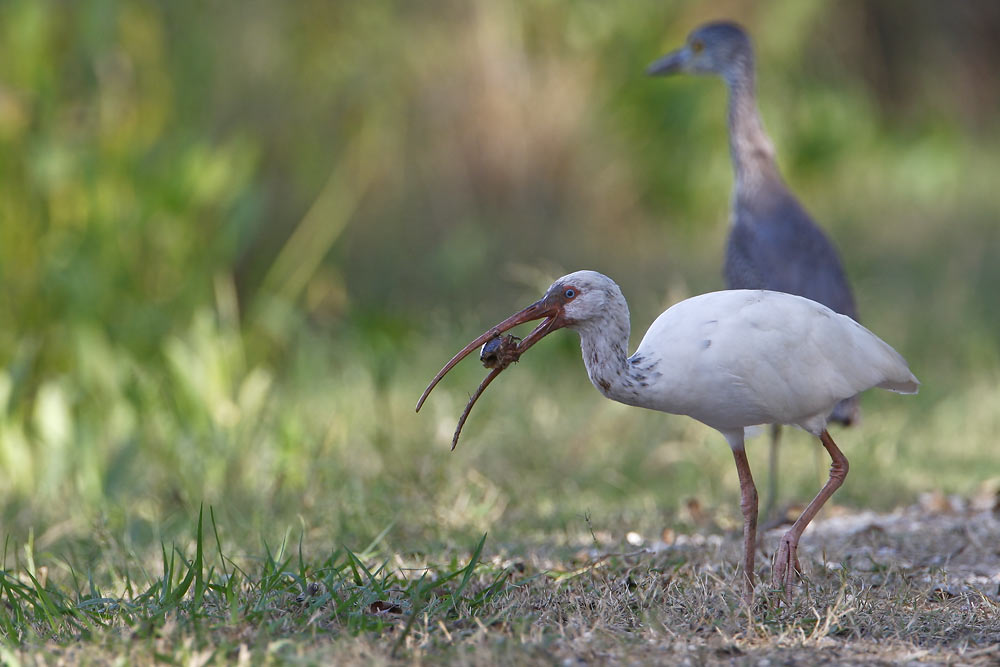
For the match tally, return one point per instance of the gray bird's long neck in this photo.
(605, 346)
(750, 147)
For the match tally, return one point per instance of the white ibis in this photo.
(729, 359)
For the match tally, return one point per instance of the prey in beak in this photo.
(501, 352)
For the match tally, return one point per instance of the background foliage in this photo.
(236, 240)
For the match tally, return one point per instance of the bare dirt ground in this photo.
(919, 585)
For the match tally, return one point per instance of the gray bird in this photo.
(773, 244)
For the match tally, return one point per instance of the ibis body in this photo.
(738, 358)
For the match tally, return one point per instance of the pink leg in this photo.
(786, 562)
(748, 503)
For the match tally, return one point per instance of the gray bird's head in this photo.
(721, 48)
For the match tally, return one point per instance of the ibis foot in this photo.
(786, 561)
(786, 564)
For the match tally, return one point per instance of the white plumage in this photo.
(745, 357)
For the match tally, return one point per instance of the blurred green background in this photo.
(237, 239)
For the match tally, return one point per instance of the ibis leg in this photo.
(786, 562)
(772, 474)
(748, 503)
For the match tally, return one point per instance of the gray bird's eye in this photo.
(569, 293)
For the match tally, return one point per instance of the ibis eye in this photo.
(569, 293)
(697, 46)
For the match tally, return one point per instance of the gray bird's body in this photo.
(774, 245)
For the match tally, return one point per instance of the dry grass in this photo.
(919, 585)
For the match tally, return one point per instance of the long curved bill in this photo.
(546, 308)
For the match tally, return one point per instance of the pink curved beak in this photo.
(548, 308)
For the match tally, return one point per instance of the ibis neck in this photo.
(751, 149)
(605, 354)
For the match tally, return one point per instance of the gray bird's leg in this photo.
(786, 562)
(748, 503)
(772, 476)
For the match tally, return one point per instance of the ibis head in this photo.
(572, 300)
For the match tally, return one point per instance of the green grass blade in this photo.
(467, 572)
(218, 542)
(368, 551)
